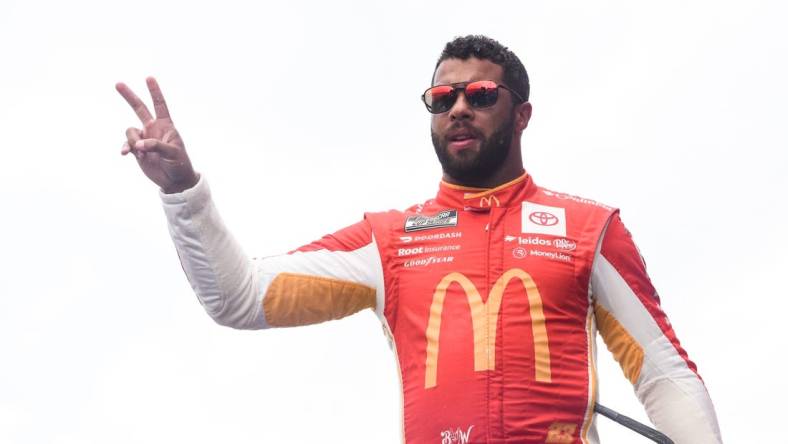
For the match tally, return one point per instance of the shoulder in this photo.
(426, 207)
(560, 213)
(415, 217)
(567, 200)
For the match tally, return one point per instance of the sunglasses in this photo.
(479, 94)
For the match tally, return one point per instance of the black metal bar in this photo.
(633, 425)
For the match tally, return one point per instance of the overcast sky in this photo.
(302, 115)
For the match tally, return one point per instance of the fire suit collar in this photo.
(509, 194)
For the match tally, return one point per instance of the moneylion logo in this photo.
(484, 320)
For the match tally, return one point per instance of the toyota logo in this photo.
(543, 218)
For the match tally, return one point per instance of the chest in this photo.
(492, 256)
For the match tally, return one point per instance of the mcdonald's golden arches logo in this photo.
(484, 317)
(487, 201)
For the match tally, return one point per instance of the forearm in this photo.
(680, 407)
(222, 276)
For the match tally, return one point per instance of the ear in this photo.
(522, 114)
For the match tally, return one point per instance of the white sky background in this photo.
(673, 111)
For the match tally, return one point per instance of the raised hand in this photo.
(157, 146)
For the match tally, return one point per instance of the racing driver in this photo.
(491, 292)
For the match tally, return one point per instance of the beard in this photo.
(472, 168)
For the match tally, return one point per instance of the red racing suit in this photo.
(491, 300)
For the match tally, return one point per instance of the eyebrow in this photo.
(465, 82)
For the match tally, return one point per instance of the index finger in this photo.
(136, 104)
(158, 99)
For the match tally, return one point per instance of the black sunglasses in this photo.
(480, 94)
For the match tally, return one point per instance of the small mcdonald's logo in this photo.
(487, 201)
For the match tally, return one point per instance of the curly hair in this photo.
(485, 48)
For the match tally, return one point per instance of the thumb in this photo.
(165, 150)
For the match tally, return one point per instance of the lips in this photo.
(461, 134)
(461, 138)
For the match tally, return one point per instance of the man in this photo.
(491, 293)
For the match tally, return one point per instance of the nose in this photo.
(461, 110)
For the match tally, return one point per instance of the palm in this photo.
(158, 147)
(158, 128)
(158, 168)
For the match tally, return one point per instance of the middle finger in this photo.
(136, 104)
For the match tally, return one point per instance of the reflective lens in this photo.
(440, 99)
(480, 94)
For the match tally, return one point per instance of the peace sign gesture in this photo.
(157, 146)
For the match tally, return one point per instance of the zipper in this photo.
(488, 286)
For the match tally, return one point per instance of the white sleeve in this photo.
(642, 340)
(328, 279)
(221, 275)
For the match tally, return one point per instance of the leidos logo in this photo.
(484, 318)
(560, 243)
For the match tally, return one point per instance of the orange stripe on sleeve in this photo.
(296, 299)
(627, 352)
